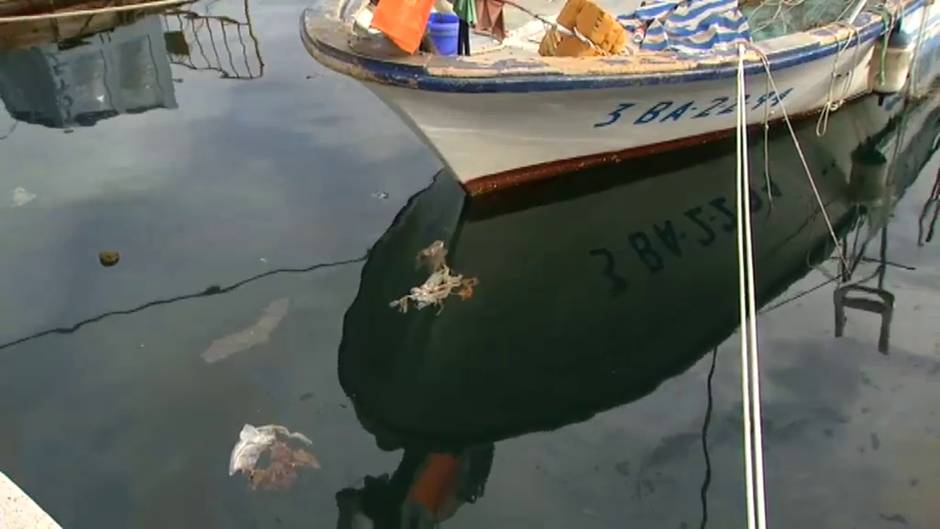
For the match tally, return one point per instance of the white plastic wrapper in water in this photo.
(21, 197)
(287, 453)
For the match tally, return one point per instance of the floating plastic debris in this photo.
(21, 197)
(441, 284)
(381, 195)
(283, 454)
(256, 334)
(109, 258)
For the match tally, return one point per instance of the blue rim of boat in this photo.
(870, 27)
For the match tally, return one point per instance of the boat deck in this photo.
(525, 31)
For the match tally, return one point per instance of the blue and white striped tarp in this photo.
(688, 26)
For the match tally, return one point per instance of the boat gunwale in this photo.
(326, 40)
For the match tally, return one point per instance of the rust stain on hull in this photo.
(534, 173)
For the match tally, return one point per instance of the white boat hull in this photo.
(493, 134)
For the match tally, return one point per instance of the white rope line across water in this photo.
(89, 12)
(750, 369)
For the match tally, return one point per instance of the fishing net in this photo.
(774, 18)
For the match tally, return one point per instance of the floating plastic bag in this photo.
(21, 197)
(271, 456)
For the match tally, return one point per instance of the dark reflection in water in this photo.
(589, 382)
(594, 291)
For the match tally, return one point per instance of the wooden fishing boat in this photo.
(508, 115)
(610, 306)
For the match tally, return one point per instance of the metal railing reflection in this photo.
(217, 43)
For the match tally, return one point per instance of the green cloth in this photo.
(466, 10)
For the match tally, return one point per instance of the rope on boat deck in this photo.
(91, 12)
(750, 369)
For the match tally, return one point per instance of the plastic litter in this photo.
(440, 285)
(109, 257)
(21, 197)
(281, 454)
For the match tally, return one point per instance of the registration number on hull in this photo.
(672, 111)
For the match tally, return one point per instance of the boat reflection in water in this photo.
(593, 290)
(77, 71)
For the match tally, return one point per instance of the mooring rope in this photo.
(767, 180)
(750, 369)
(799, 150)
(833, 105)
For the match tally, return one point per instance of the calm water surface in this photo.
(571, 390)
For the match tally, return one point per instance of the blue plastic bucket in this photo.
(443, 29)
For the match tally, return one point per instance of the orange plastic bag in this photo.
(403, 21)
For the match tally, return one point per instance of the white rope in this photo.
(88, 12)
(799, 151)
(832, 105)
(745, 372)
(767, 182)
(750, 370)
